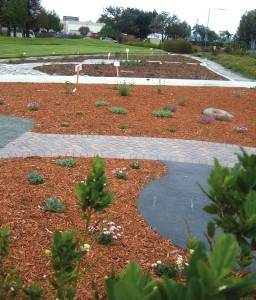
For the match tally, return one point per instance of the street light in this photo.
(207, 29)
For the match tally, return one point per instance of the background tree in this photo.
(54, 21)
(177, 29)
(199, 31)
(160, 23)
(112, 18)
(84, 30)
(108, 31)
(247, 28)
(13, 14)
(34, 9)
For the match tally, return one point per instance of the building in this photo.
(72, 24)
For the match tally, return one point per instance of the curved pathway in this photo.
(167, 203)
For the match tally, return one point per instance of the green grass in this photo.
(244, 65)
(16, 47)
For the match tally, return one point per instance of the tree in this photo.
(34, 9)
(54, 21)
(14, 14)
(199, 31)
(178, 30)
(247, 28)
(84, 30)
(112, 18)
(108, 31)
(161, 22)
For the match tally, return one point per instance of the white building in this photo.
(72, 26)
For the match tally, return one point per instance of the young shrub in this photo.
(67, 162)
(1, 101)
(54, 205)
(122, 126)
(172, 129)
(118, 110)
(78, 112)
(36, 178)
(124, 89)
(120, 173)
(178, 46)
(205, 119)
(135, 165)
(182, 101)
(34, 106)
(64, 124)
(167, 270)
(109, 234)
(163, 113)
(101, 103)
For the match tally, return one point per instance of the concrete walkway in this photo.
(165, 203)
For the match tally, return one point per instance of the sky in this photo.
(223, 14)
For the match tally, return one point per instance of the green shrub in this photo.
(105, 239)
(79, 112)
(101, 103)
(124, 89)
(64, 124)
(135, 165)
(172, 129)
(182, 101)
(1, 101)
(66, 162)
(163, 113)
(34, 106)
(208, 277)
(178, 46)
(167, 270)
(122, 126)
(233, 203)
(54, 205)
(36, 178)
(118, 110)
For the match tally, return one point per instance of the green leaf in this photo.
(211, 229)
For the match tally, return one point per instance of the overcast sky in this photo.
(187, 10)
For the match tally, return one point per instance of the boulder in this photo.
(218, 114)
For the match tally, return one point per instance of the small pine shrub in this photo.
(67, 162)
(101, 103)
(36, 178)
(167, 270)
(79, 112)
(64, 124)
(118, 110)
(54, 205)
(163, 113)
(105, 239)
(57, 103)
(1, 101)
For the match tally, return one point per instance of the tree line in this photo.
(26, 15)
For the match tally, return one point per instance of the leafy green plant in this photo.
(122, 126)
(208, 277)
(34, 292)
(159, 89)
(101, 103)
(54, 205)
(10, 284)
(124, 89)
(36, 178)
(135, 165)
(109, 234)
(57, 103)
(67, 162)
(118, 110)
(65, 256)
(167, 270)
(1, 101)
(172, 129)
(163, 113)
(233, 203)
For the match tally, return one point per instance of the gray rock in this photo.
(218, 114)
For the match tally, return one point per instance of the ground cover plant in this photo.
(140, 104)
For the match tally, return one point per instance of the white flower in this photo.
(154, 265)
(85, 247)
(159, 262)
(114, 237)
(191, 251)
(106, 232)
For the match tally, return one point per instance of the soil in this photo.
(22, 203)
(162, 66)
